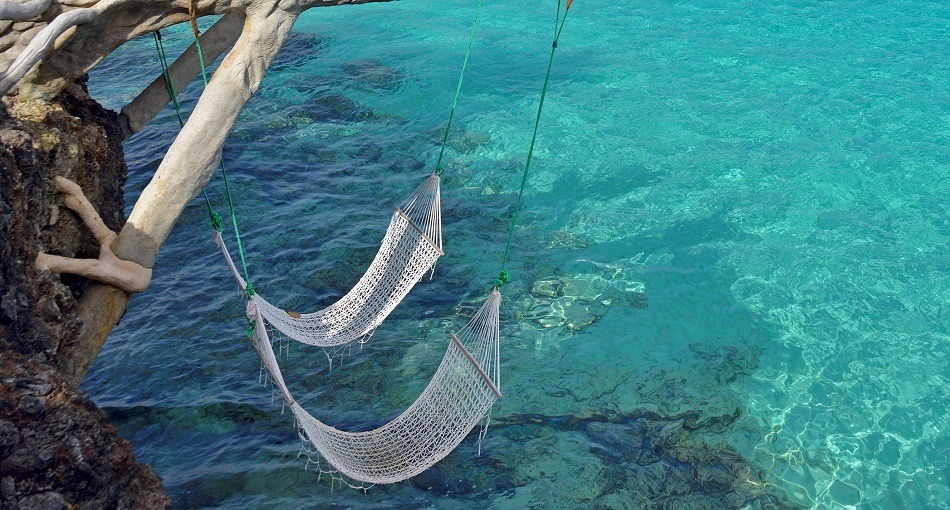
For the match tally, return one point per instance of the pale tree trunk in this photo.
(188, 166)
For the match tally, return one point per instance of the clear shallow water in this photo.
(730, 288)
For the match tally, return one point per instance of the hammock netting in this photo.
(412, 244)
(459, 395)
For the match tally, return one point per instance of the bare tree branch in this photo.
(40, 44)
(81, 34)
(128, 276)
(183, 71)
(186, 169)
(22, 11)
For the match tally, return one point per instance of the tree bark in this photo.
(14, 11)
(120, 21)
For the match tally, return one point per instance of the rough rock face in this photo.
(57, 449)
(74, 137)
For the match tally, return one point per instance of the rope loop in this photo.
(216, 222)
(251, 325)
(249, 290)
(502, 279)
(193, 17)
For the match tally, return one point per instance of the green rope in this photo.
(169, 84)
(503, 276)
(458, 89)
(215, 218)
(249, 289)
(201, 61)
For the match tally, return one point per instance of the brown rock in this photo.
(67, 455)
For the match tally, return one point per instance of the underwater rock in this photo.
(335, 107)
(564, 238)
(298, 50)
(461, 140)
(370, 74)
(469, 141)
(647, 461)
(575, 302)
(218, 415)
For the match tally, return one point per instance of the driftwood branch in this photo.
(185, 170)
(77, 51)
(125, 275)
(194, 156)
(22, 11)
(40, 44)
(184, 70)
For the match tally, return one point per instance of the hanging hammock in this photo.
(410, 248)
(412, 244)
(466, 383)
(460, 394)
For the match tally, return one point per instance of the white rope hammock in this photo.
(460, 394)
(412, 244)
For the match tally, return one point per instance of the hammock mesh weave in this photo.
(460, 394)
(412, 244)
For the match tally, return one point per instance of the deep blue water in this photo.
(733, 257)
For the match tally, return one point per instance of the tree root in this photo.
(108, 268)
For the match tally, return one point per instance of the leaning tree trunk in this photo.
(67, 39)
(188, 166)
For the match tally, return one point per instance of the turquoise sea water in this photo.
(731, 288)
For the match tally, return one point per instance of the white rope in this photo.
(412, 244)
(456, 399)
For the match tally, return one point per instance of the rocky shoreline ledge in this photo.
(57, 448)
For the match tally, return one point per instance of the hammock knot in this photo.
(502, 278)
(251, 324)
(439, 169)
(249, 290)
(216, 222)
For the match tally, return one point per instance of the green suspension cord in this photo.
(458, 89)
(249, 289)
(169, 84)
(503, 276)
(216, 221)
